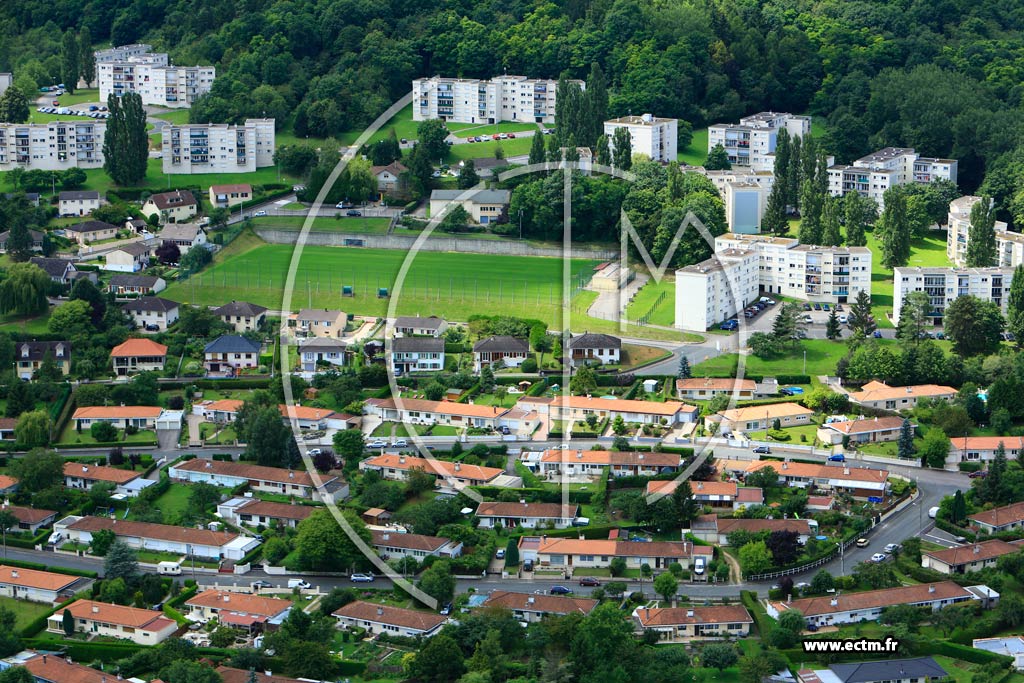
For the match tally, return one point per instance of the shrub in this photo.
(529, 365)
(104, 432)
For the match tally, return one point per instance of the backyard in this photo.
(24, 611)
(820, 359)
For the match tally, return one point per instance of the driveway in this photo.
(167, 439)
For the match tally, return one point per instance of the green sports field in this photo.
(448, 284)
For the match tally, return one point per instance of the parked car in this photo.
(446, 609)
(298, 583)
(356, 213)
(843, 319)
(763, 450)
(807, 307)
(731, 324)
(817, 307)
(500, 554)
(878, 334)
(404, 141)
(589, 581)
(378, 443)
(512, 135)
(980, 474)
(862, 542)
(361, 578)
(560, 590)
(879, 557)
(503, 136)
(314, 451)
(528, 566)
(261, 212)
(837, 457)
(261, 583)
(839, 307)
(400, 443)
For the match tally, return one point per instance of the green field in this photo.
(697, 151)
(36, 325)
(375, 224)
(24, 611)
(646, 299)
(81, 96)
(449, 284)
(929, 250)
(175, 116)
(476, 150)
(466, 129)
(822, 356)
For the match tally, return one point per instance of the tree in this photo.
(974, 326)
(265, 435)
(622, 149)
(440, 661)
(858, 212)
(822, 582)
(895, 228)
(120, 562)
(684, 371)
(33, 429)
(19, 243)
(786, 326)
(101, 542)
(666, 585)
(23, 291)
(784, 546)
(934, 448)
(189, 672)
(810, 213)
(67, 622)
(9, 641)
(754, 668)
(467, 175)
(717, 159)
(830, 234)
(755, 558)
(861, 321)
(981, 235)
(195, 259)
(86, 61)
(583, 382)
(537, 154)
(69, 65)
(1015, 305)
(456, 218)
(914, 317)
(958, 511)
(438, 582)
(323, 545)
(617, 567)
(13, 109)
(905, 444)
(39, 469)
(103, 432)
(774, 221)
(595, 107)
(126, 144)
(168, 252)
(718, 656)
(833, 330)
(431, 136)
(85, 290)
(603, 152)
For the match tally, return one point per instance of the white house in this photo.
(501, 351)
(999, 519)
(390, 545)
(34, 585)
(526, 515)
(128, 258)
(78, 202)
(415, 326)
(262, 479)
(141, 626)
(877, 394)
(313, 352)
(229, 353)
(577, 408)
(397, 468)
(529, 608)
(159, 537)
(171, 207)
(594, 348)
(82, 476)
(417, 354)
(242, 315)
(983, 448)
(142, 417)
(228, 196)
(237, 609)
(138, 355)
(183, 235)
(679, 624)
(152, 313)
(394, 621)
(483, 206)
(321, 322)
(256, 512)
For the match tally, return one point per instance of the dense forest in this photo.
(943, 76)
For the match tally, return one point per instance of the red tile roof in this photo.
(527, 510)
(246, 471)
(1008, 514)
(902, 595)
(244, 603)
(138, 347)
(545, 604)
(115, 412)
(395, 616)
(33, 578)
(99, 473)
(53, 668)
(132, 617)
(973, 552)
(677, 616)
(163, 532)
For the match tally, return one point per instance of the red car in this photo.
(589, 581)
(511, 135)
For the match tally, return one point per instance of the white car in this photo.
(892, 547)
(879, 557)
(261, 212)
(378, 444)
(401, 443)
(361, 578)
(843, 319)
(314, 451)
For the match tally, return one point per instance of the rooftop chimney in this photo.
(785, 465)
(380, 611)
(689, 613)
(530, 600)
(386, 536)
(647, 613)
(834, 602)
(931, 588)
(14, 573)
(977, 549)
(227, 598)
(95, 609)
(457, 467)
(846, 470)
(401, 460)
(44, 659)
(291, 475)
(209, 464)
(910, 390)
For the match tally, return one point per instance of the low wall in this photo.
(458, 244)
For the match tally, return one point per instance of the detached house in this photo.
(388, 176)
(141, 626)
(122, 285)
(968, 558)
(675, 624)
(159, 537)
(321, 322)
(48, 668)
(35, 240)
(142, 417)
(34, 585)
(183, 235)
(229, 353)
(59, 269)
(420, 411)
(262, 479)
(397, 468)
(228, 196)
(754, 418)
(152, 313)
(483, 206)
(877, 429)
(29, 356)
(314, 352)
(715, 529)
(78, 203)
(242, 315)
(417, 354)
(84, 477)
(917, 670)
(569, 553)
(593, 348)
(390, 545)
(171, 207)
(575, 463)
(499, 352)
(530, 607)
(238, 609)
(30, 519)
(880, 395)
(411, 326)
(90, 231)
(138, 355)
(526, 515)
(999, 519)
(394, 621)
(705, 388)
(256, 512)
(577, 408)
(128, 258)
(983, 448)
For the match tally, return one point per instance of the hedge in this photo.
(252, 555)
(540, 495)
(756, 609)
(529, 478)
(83, 651)
(969, 466)
(450, 347)
(951, 528)
(29, 543)
(182, 597)
(538, 388)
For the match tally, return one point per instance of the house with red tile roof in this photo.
(264, 479)
(30, 519)
(715, 529)
(50, 668)
(230, 675)
(968, 558)
(569, 553)
(420, 411)
(84, 476)
(237, 609)
(394, 621)
(681, 624)
(880, 395)
(396, 467)
(141, 626)
(878, 429)
(142, 417)
(221, 411)
(159, 537)
(706, 388)
(391, 545)
(532, 607)
(138, 355)
(715, 494)
(554, 463)
(254, 512)
(983, 448)
(35, 585)
(527, 515)
(999, 519)
(576, 408)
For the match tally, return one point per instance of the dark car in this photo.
(807, 307)
(817, 307)
(763, 450)
(785, 392)
(262, 584)
(353, 212)
(978, 475)
(589, 581)
(878, 334)
(560, 590)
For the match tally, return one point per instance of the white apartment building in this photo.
(943, 285)
(121, 53)
(152, 76)
(218, 147)
(53, 146)
(471, 100)
(1009, 245)
(751, 142)
(648, 134)
(802, 271)
(717, 289)
(872, 175)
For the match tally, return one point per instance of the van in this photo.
(298, 583)
(932, 512)
(581, 521)
(169, 568)
(698, 565)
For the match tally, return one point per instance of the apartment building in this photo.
(152, 76)
(53, 146)
(716, 289)
(6, 81)
(872, 175)
(1009, 245)
(810, 273)
(648, 134)
(751, 142)
(218, 147)
(471, 100)
(943, 285)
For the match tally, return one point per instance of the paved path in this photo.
(606, 305)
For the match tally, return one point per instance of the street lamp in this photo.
(520, 224)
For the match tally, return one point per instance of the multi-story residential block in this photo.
(470, 100)
(79, 203)
(141, 626)
(943, 285)
(6, 81)
(138, 355)
(133, 68)
(483, 206)
(745, 204)
(872, 175)
(242, 315)
(751, 142)
(648, 134)
(417, 354)
(52, 146)
(716, 289)
(1009, 245)
(171, 207)
(677, 624)
(29, 356)
(811, 273)
(218, 147)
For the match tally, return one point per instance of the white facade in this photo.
(503, 98)
(872, 175)
(53, 146)
(810, 273)
(151, 75)
(1009, 245)
(943, 285)
(751, 142)
(218, 147)
(6, 81)
(715, 290)
(121, 53)
(650, 135)
(745, 204)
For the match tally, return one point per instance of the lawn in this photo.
(822, 356)
(34, 325)
(636, 354)
(371, 225)
(176, 116)
(806, 431)
(71, 436)
(697, 151)
(81, 96)
(464, 131)
(581, 320)
(929, 250)
(24, 611)
(476, 150)
(450, 284)
(656, 302)
(492, 400)
(397, 429)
